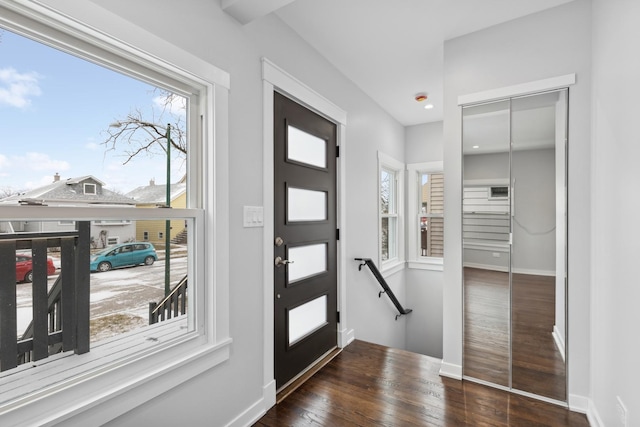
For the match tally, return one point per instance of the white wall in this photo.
(424, 287)
(615, 208)
(234, 390)
(551, 43)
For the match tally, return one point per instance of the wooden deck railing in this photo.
(61, 316)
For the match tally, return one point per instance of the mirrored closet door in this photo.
(514, 243)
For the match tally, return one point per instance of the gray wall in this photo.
(551, 43)
(424, 287)
(615, 178)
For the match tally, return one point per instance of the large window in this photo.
(54, 207)
(390, 213)
(426, 207)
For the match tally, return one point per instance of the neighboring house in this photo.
(152, 196)
(84, 191)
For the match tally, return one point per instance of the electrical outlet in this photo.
(496, 254)
(622, 411)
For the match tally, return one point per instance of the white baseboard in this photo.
(346, 337)
(593, 416)
(559, 340)
(451, 371)
(258, 409)
(579, 403)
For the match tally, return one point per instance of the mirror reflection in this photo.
(514, 206)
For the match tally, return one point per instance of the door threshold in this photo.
(303, 376)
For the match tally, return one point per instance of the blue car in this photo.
(123, 255)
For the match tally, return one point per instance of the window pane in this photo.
(125, 277)
(307, 318)
(306, 205)
(306, 148)
(92, 144)
(388, 238)
(431, 209)
(306, 261)
(387, 191)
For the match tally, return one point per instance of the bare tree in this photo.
(7, 192)
(148, 136)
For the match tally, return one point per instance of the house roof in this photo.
(156, 193)
(70, 190)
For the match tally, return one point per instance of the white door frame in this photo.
(276, 79)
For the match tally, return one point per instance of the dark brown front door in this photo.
(305, 274)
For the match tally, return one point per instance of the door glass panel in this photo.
(306, 205)
(307, 261)
(306, 318)
(306, 148)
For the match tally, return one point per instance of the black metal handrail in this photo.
(61, 316)
(172, 305)
(386, 289)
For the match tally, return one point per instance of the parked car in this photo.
(123, 255)
(24, 268)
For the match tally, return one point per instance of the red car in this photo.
(24, 269)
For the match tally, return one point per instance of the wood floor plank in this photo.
(372, 385)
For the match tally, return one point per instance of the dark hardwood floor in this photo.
(372, 385)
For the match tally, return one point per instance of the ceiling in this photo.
(391, 49)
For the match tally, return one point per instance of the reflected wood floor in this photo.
(538, 366)
(372, 385)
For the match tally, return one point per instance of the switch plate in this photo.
(253, 216)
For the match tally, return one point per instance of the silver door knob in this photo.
(279, 261)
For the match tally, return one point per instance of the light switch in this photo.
(253, 216)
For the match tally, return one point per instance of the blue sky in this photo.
(54, 113)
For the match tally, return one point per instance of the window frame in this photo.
(414, 258)
(388, 163)
(119, 384)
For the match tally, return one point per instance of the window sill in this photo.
(117, 376)
(435, 265)
(392, 267)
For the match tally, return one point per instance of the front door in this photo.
(305, 273)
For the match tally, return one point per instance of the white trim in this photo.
(253, 413)
(580, 404)
(391, 265)
(450, 370)
(434, 264)
(276, 79)
(558, 339)
(390, 269)
(415, 260)
(593, 416)
(518, 90)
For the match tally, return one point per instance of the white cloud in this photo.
(17, 89)
(92, 146)
(4, 162)
(44, 180)
(41, 162)
(176, 106)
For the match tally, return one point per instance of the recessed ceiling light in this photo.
(476, 146)
(428, 106)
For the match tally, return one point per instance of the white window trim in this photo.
(414, 260)
(120, 384)
(396, 264)
(90, 185)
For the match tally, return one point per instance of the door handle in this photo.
(279, 261)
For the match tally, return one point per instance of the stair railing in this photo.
(385, 287)
(172, 305)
